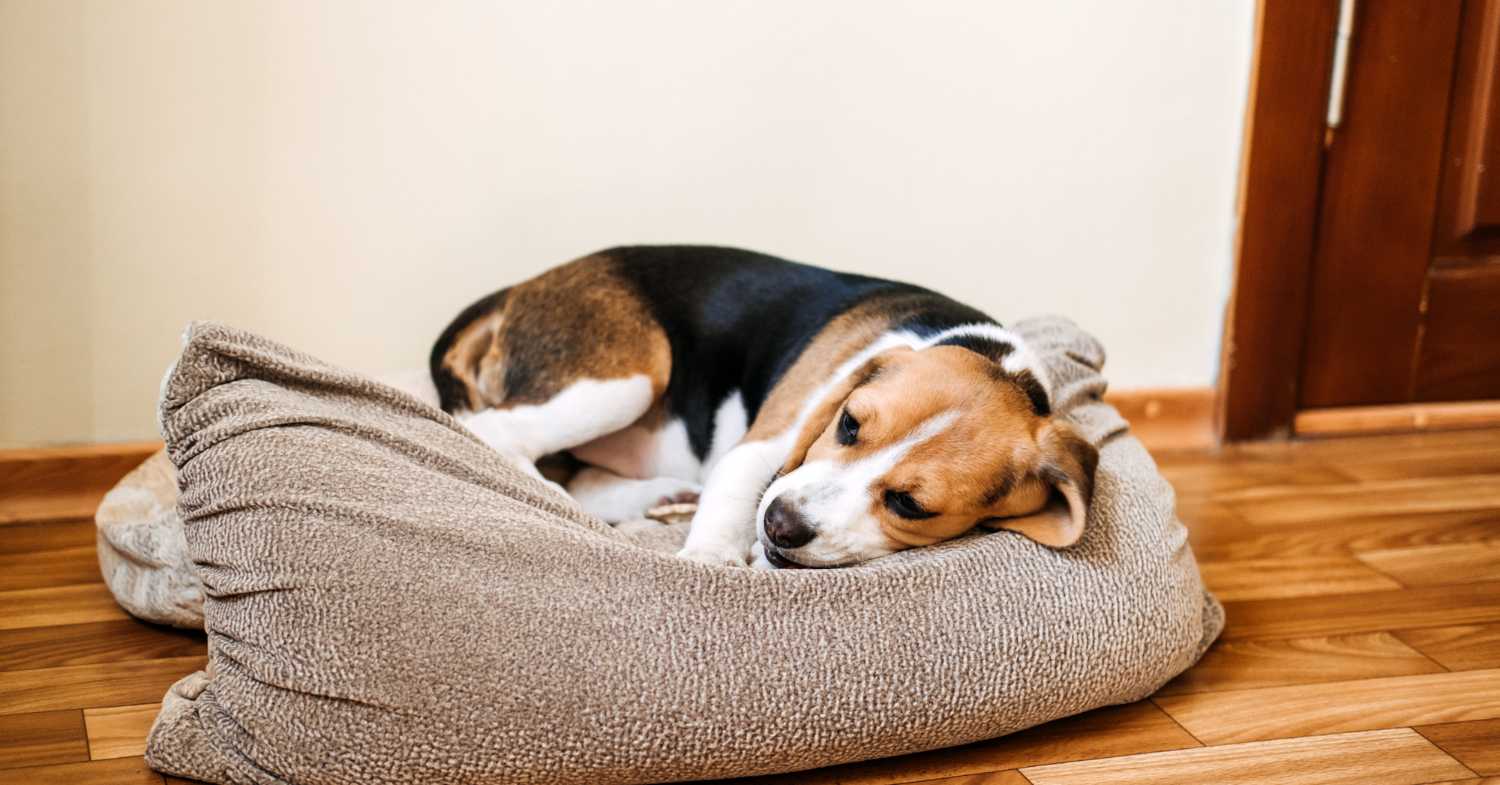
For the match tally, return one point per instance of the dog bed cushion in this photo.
(388, 601)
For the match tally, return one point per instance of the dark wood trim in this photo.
(63, 483)
(1283, 161)
(1168, 418)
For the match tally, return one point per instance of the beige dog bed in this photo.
(388, 601)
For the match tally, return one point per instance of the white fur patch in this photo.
(724, 526)
(672, 453)
(614, 498)
(582, 412)
(836, 498)
(731, 423)
(641, 453)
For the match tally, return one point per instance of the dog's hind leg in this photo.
(553, 363)
(580, 413)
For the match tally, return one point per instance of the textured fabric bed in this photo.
(388, 601)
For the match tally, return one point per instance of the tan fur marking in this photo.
(576, 321)
(843, 337)
(992, 442)
(476, 361)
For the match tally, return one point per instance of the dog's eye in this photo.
(848, 429)
(901, 503)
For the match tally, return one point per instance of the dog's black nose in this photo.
(785, 526)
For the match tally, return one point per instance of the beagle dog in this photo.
(821, 418)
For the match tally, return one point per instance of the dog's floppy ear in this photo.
(1066, 470)
(826, 409)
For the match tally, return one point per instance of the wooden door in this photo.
(1404, 289)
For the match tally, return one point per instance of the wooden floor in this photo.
(1361, 579)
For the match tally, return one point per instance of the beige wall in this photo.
(344, 176)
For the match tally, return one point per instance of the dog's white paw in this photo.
(758, 558)
(613, 498)
(719, 555)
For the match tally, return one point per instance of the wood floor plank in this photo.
(1392, 757)
(1349, 455)
(1427, 606)
(1475, 744)
(1434, 565)
(1294, 506)
(1260, 579)
(42, 738)
(1458, 648)
(1339, 451)
(1213, 475)
(989, 778)
(120, 771)
(33, 508)
(57, 605)
(1233, 539)
(94, 643)
(50, 568)
(1115, 730)
(1252, 664)
(47, 536)
(83, 686)
(1201, 514)
(119, 731)
(1171, 418)
(1448, 462)
(1336, 707)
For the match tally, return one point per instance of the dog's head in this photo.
(920, 446)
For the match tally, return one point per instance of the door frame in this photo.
(1280, 177)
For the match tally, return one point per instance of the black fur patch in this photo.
(1034, 390)
(989, 348)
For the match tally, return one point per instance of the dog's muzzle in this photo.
(785, 526)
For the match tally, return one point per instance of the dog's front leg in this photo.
(723, 529)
